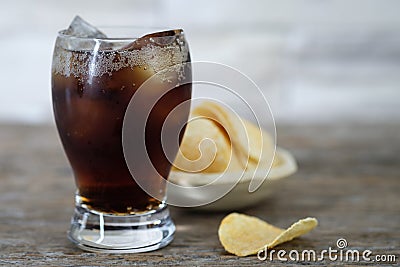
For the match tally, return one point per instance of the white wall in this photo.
(314, 60)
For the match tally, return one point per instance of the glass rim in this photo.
(177, 32)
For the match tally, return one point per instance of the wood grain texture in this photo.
(349, 178)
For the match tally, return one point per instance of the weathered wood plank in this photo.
(349, 178)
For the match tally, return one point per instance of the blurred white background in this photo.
(316, 61)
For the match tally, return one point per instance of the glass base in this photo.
(100, 232)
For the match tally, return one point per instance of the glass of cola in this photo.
(94, 78)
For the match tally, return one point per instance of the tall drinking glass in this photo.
(93, 81)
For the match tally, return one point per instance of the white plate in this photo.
(238, 197)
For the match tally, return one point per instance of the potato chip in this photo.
(230, 123)
(245, 235)
(205, 149)
(260, 142)
(250, 142)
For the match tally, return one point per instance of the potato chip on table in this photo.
(245, 235)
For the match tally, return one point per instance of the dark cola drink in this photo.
(92, 85)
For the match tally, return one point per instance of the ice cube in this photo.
(81, 28)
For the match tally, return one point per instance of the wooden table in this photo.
(349, 178)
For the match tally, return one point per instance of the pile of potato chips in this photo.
(217, 140)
